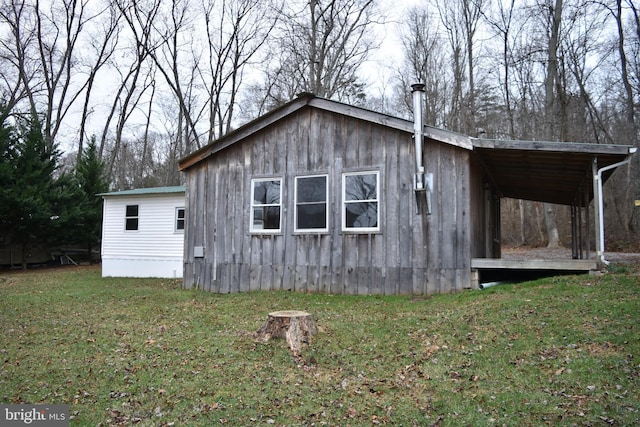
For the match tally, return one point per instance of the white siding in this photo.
(155, 249)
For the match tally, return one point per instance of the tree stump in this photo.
(295, 326)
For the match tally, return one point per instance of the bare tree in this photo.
(46, 59)
(236, 32)
(321, 46)
(451, 19)
(502, 25)
(550, 12)
(159, 31)
(424, 52)
(103, 44)
(18, 68)
(616, 13)
(57, 31)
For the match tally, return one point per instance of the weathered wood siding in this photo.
(479, 211)
(411, 254)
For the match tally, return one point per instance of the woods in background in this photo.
(151, 81)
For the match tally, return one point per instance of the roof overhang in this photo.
(150, 191)
(553, 172)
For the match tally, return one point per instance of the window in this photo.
(131, 218)
(311, 213)
(179, 219)
(360, 201)
(266, 205)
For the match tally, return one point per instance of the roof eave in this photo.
(581, 147)
(244, 131)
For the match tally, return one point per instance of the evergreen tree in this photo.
(7, 176)
(32, 197)
(91, 182)
(39, 206)
(34, 189)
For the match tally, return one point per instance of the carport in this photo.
(563, 173)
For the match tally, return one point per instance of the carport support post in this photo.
(587, 223)
(597, 212)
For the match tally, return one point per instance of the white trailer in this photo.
(143, 232)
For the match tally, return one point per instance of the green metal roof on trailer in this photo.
(146, 191)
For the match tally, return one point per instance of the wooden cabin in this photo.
(143, 232)
(320, 196)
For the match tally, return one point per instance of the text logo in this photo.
(34, 415)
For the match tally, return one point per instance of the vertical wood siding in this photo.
(411, 254)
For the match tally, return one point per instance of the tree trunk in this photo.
(553, 238)
(23, 259)
(295, 326)
(551, 110)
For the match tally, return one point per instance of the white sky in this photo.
(376, 72)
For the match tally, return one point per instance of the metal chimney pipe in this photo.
(422, 182)
(418, 127)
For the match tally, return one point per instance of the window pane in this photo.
(311, 202)
(361, 215)
(312, 189)
(272, 218)
(180, 213)
(132, 210)
(266, 192)
(266, 218)
(131, 224)
(312, 216)
(361, 187)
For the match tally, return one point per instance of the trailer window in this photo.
(180, 219)
(131, 218)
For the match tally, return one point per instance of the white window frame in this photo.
(127, 217)
(178, 219)
(253, 205)
(326, 204)
(344, 202)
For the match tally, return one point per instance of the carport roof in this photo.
(554, 172)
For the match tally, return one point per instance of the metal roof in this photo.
(146, 191)
(554, 172)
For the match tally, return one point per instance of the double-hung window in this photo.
(131, 218)
(180, 219)
(266, 205)
(311, 212)
(361, 201)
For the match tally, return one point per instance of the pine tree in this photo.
(33, 194)
(91, 182)
(7, 177)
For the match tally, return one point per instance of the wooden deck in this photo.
(534, 264)
(528, 265)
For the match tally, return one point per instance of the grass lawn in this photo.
(557, 351)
